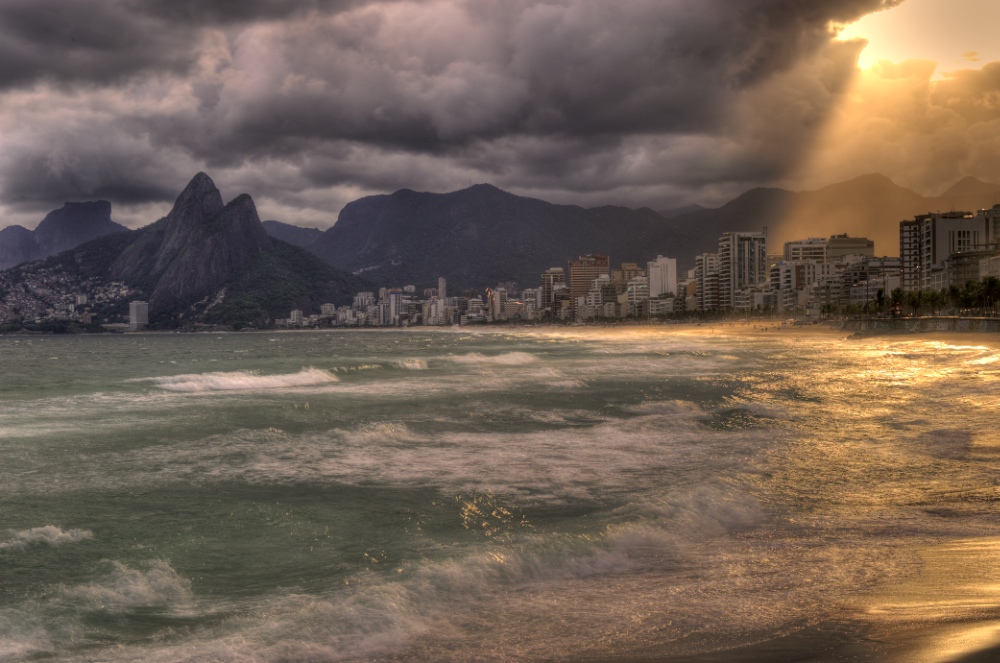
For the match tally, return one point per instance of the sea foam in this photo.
(242, 381)
(505, 359)
(125, 589)
(49, 535)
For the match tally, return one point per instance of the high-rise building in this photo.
(583, 271)
(626, 272)
(823, 250)
(442, 288)
(929, 239)
(909, 254)
(138, 315)
(497, 303)
(742, 264)
(706, 278)
(662, 274)
(551, 277)
(992, 216)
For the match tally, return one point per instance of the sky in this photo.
(309, 104)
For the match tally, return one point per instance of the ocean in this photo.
(533, 494)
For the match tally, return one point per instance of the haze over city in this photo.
(311, 104)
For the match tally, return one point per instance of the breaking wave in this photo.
(49, 535)
(242, 381)
(411, 364)
(125, 589)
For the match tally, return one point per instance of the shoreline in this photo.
(946, 612)
(859, 326)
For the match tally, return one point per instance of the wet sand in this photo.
(949, 612)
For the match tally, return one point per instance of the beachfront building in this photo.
(662, 274)
(582, 273)
(138, 315)
(823, 250)
(742, 265)
(706, 279)
(927, 241)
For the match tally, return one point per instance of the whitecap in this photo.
(48, 534)
(411, 364)
(124, 589)
(242, 381)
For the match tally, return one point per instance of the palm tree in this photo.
(990, 290)
(954, 295)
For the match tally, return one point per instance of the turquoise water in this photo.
(454, 496)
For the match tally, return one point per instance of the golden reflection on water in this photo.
(948, 611)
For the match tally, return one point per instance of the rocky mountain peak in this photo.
(207, 249)
(197, 204)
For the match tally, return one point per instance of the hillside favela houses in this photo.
(810, 277)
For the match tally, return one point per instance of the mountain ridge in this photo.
(204, 262)
(413, 237)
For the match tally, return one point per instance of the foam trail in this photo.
(505, 359)
(242, 381)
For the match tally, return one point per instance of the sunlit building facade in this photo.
(926, 242)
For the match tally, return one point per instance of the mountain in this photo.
(677, 211)
(204, 262)
(969, 194)
(17, 245)
(61, 229)
(483, 235)
(479, 236)
(297, 235)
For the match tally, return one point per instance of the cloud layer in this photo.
(308, 104)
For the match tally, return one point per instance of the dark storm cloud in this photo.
(494, 69)
(124, 96)
(96, 41)
(84, 43)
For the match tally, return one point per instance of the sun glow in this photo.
(956, 35)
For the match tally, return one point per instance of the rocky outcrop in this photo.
(74, 224)
(62, 229)
(195, 249)
(17, 245)
(214, 253)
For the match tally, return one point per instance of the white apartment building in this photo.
(662, 274)
(138, 315)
